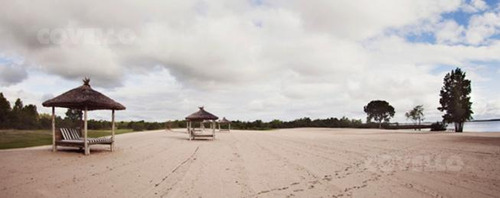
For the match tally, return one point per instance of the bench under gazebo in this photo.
(200, 117)
(86, 99)
(224, 121)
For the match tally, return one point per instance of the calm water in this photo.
(490, 126)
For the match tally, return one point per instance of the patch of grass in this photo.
(24, 138)
(27, 138)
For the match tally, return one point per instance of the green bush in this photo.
(137, 126)
(438, 126)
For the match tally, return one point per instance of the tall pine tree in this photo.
(16, 114)
(74, 116)
(4, 112)
(455, 99)
(29, 117)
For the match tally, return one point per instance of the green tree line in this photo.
(27, 117)
(343, 122)
(18, 116)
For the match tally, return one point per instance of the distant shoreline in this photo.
(489, 120)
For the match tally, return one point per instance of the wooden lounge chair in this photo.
(72, 137)
(196, 133)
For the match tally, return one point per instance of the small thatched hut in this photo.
(200, 116)
(83, 98)
(225, 121)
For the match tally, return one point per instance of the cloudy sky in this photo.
(251, 59)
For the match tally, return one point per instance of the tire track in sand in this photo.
(178, 172)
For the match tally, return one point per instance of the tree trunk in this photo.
(459, 127)
(380, 124)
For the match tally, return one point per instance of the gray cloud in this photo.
(214, 41)
(12, 74)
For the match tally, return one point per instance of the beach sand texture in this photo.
(281, 163)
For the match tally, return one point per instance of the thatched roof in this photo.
(84, 96)
(201, 115)
(224, 120)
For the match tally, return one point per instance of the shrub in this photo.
(438, 126)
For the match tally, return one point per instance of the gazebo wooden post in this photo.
(54, 146)
(112, 129)
(86, 144)
(190, 130)
(213, 129)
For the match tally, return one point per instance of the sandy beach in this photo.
(281, 163)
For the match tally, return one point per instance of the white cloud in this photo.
(482, 27)
(485, 103)
(222, 35)
(281, 59)
(449, 32)
(474, 6)
(348, 19)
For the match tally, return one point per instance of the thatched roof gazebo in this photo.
(225, 121)
(200, 116)
(83, 98)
